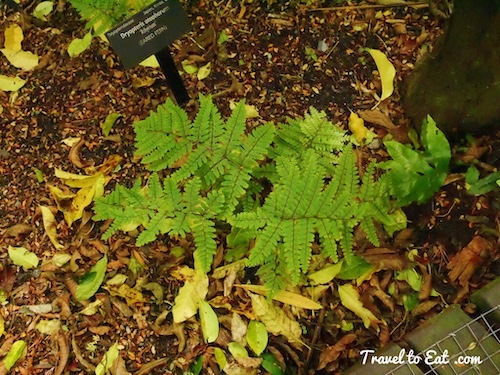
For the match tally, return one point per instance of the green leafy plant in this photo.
(102, 15)
(285, 187)
(414, 176)
(479, 186)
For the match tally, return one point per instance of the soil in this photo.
(272, 60)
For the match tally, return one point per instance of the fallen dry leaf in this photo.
(377, 117)
(463, 265)
(17, 230)
(332, 353)
(385, 259)
(424, 307)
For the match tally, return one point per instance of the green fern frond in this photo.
(101, 15)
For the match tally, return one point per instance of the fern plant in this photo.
(287, 187)
(102, 15)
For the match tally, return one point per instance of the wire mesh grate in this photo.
(470, 350)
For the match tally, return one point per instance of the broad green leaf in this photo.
(484, 185)
(209, 322)
(50, 226)
(48, 326)
(20, 256)
(92, 280)
(386, 70)
(410, 301)
(191, 293)
(11, 83)
(271, 364)
(43, 9)
(204, 71)
(436, 144)
(220, 357)
(356, 267)
(78, 45)
(349, 297)
(257, 337)
(325, 275)
(109, 359)
(15, 352)
(237, 350)
(472, 175)
(109, 122)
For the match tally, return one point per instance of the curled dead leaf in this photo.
(332, 353)
(463, 265)
(377, 117)
(424, 307)
(74, 155)
(386, 259)
(17, 230)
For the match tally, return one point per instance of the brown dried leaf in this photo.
(463, 265)
(405, 238)
(380, 294)
(426, 287)
(74, 155)
(332, 353)
(386, 259)
(17, 230)
(376, 117)
(424, 307)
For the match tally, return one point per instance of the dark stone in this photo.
(459, 85)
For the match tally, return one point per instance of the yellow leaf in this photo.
(150, 62)
(386, 70)
(82, 199)
(131, 295)
(275, 319)
(192, 292)
(76, 180)
(349, 297)
(49, 223)
(325, 275)
(204, 71)
(21, 59)
(2, 325)
(357, 126)
(11, 83)
(292, 299)
(13, 37)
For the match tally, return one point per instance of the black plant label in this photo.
(149, 31)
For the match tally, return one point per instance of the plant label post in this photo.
(150, 32)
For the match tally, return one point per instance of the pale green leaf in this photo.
(118, 279)
(284, 296)
(109, 122)
(192, 292)
(43, 9)
(220, 357)
(209, 322)
(204, 71)
(353, 269)
(21, 256)
(11, 83)
(237, 350)
(24, 60)
(386, 70)
(15, 352)
(60, 260)
(92, 280)
(275, 319)
(325, 275)
(156, 289)
(257, 337)
(78, 45)
(350, 298)
(38, 174)
(189, 67)
(48, 326)
(109, 359)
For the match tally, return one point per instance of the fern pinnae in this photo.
(234, 129)
(207, 125)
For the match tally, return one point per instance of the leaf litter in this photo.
(277, 80)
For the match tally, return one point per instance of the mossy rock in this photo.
(459, 85)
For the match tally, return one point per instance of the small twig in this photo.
(373, 6)
(317, 330)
